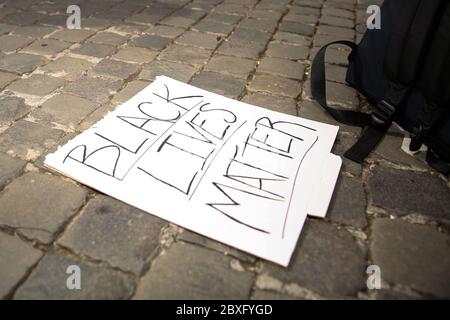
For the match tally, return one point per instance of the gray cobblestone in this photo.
(190, 55)
(109, 38)
(48, 281)
(68, 109)
(412, 255)
(28, 140)
(17, 258)
(10, 168)
(117, 233)
(211, 26)
(6, 78)
(67, 67)
(115, 69)
(150, 42)
(37, 205)
(407, 191)
(10, 43)
(238, 67)
(275, 103)
(219, 83)
(20, 62)
(283, 50)
(275, 85)
(199, 39)
(96, 89)
(48, 47)
(242, 49)
(72, 35)
(34, 31)
(327, 261)
(135, 54)
(94, 50)
(282, 67)
(12, 108)
(189, 272)
(37, 85)
(178, 71)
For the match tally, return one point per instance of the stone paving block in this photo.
(114, 232)
(322, 39)
(48, 47)
(248, 35)
(223, 17)
(348, 204)
(67, 68)
(390, 149)
(57, 20)
(115, 69)
(72, 35)
(219, 83)
(37, 205)
(336, 73)
(94, 50)
(12, 108)
(282, 67)
(150, 42)
(21, 62)
(34, 31)
(333, 56)
(130, 90)
(301, 18)
(295, 27)
(412, 255)
(336, 12)
(307, 10)
(335, 31)
(283, 50)
(327, 261)
(95, 89)
(190, 55)
(178, 71)
(68, 109)
(190, 272)
(109, 38)
(258, 24)
(265, 14)
(292, 38)
(9, 43)
(10, 168)
(178, 21)
(17, 258)
(5, 27)
(237, 67)
(49, 281)
(243, 49)
(275, 85)
(28, 140)
(199, 39)
(96, 23)
(275, 103)
(211, 26)
(130, 29)
(136, 54)
(410, 192)
(165, 31)
(37, 85)
(337, 22)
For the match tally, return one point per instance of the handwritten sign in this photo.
(237, 173)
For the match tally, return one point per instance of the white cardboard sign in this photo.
(239, 174)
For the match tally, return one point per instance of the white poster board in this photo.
(239, 174)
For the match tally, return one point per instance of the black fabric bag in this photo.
(404, 71)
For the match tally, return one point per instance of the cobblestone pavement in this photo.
(392, 211)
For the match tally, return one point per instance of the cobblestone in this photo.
(112, 231)
(37, 85)
(67, 67)
(12, 109)
(20, 62)
(237, 67)
(190, 272)
(219, 83)
(115, 69)
(17, 258)
(48, 281)
(403, 251)
(37, 205)
(96, 89)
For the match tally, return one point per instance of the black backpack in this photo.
(403, 69)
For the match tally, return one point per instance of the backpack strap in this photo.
(319, 89)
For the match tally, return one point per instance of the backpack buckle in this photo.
(382, 115)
